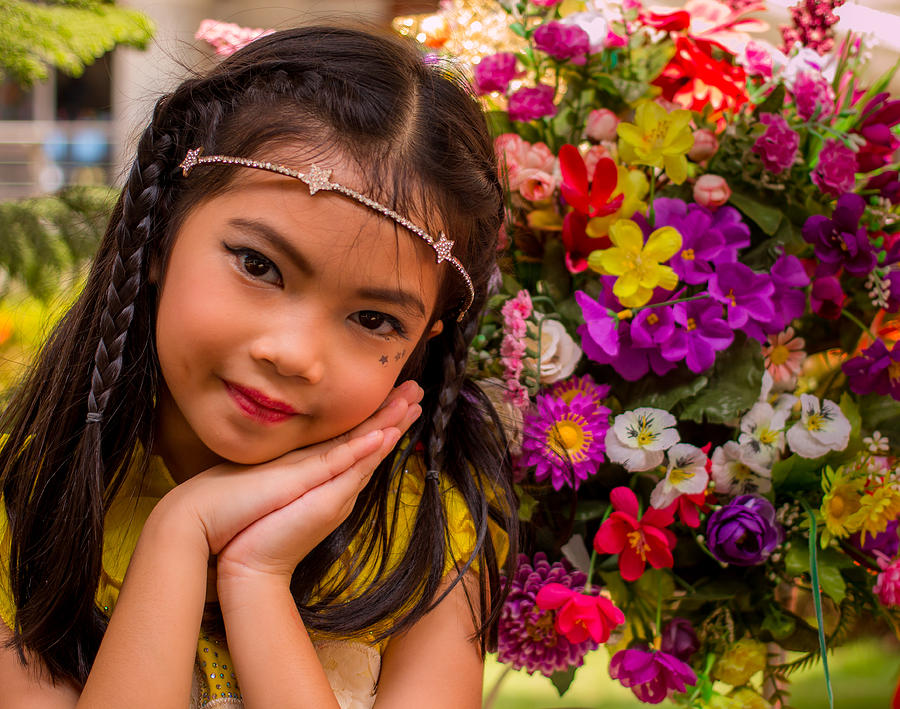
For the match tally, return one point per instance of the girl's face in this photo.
(284, 319)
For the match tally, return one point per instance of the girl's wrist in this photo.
(237, 585)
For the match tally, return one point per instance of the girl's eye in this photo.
(256, 265)
(379, 323)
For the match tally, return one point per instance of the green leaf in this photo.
(767, 218)
(649, 393)
(796, 561)
(832, 581)
(498, 122)
(562, 680)
(796, 473)
(779, 624)
(774, 102)
(554, 272)
(527, 504)
(587, 510)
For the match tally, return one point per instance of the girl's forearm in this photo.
(275, 660)
(147, 655)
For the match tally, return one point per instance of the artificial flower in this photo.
(564, 440)
(494, 72)
(638, 265)
(563, 41)
(637, 539)
(633, 186)
(886, 543)
(821, 429)
(526, 634)
(777, 146)
(835, 173)
(568, 389)
(737, 470)
(840, 504)
(826, 297)
(876, 369)
(740, 661)
(878, 119)
(601, 125)
(811, 23)
(531, 103)
(596, 200)
(658, 138)
(877, 508)
(600, 331)
(783, 355)
(746, 295)
(685, 475)
(679, 638)
(813, 95)
(711, 191)
(227, 37)
(558, 353)
(637, 439)
(841, 241)
(744, 532)
(762, 431)
(887, 585)
(651, 674)
(705, 145)
(580, 616)
(689, 507)
(789, 298)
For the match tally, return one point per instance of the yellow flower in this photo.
(634, 185)
(740, 661)
(876, 510)
(657, 138)
(638, 265)
(840, 505)
(746, 698)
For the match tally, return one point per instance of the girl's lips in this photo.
(258, 406)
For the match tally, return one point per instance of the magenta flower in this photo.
(703, 332)
(811, 25)
(678, 638)
(836, 172)
(826, 298)
(887, 585)
(653, 327)
(878, 118)
(887, 183)
(531, 103)
(494, 72)
(813, 95)
(651, 675)
(526, 634)
(600, 332)
(563, 41)
(789, 299)
(580, 616)
(841, 240)
(565, 440)
(701, 244)
(876, 370)
(777, 147)
(746, 295)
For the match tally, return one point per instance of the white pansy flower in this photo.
(781, 402)
(822, 428)
(685, 475)
(762, 431)
(638, 438)
(559, 352)
(737, 470)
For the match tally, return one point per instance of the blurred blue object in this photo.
(89, 146)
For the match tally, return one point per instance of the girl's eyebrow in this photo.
(399, 296)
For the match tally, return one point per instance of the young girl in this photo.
(258, 406)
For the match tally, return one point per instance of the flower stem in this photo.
(590, 574)
(652, 213)
(495, 690)
(865, 328)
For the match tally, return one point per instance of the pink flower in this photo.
(652, 675)
(512, 348)
(494, 72)
(711, 191)
(531, 103)
(228, 37)
(562, 41)
(836, 172)
(601, 125)
(705, 145)
(887, 585)
(777, 147)
(593, 156)
(757, 60)
(578, 615)
(813, 96)
(783, 355)
(535, 185)
(529, 168)
(544, 3)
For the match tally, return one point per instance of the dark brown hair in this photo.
(418, 137)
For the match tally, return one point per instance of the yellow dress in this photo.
(351, 664)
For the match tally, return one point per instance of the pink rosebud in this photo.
(578, 615)
(711, 191)
(601, 125)
(494, 72)
(615, 41)
(535, 185)
(544, 3)
(887, 585)
(705, 145)
(594, 155)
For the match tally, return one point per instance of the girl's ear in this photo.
(436, 329)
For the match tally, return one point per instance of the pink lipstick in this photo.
(258, 406)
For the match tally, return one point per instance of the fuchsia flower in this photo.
(777, 147)
(878, 118)
(227, 37)
(580, 616)
(813, 96)
(651, 674)
(887, 585)
(836, 172)
(637, 539)
(811, 25)
(827, 298)
(563, 41)
(531, 103)
(494, 72)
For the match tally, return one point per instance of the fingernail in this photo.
(373, 436)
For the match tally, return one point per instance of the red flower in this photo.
(577, 242)
(580, 616)
(636, 541)
(591, 200)
(689, 508)
(666, 21)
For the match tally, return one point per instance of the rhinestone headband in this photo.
(319, 180)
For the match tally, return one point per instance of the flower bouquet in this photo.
(693, 337)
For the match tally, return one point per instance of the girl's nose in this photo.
(293, 353)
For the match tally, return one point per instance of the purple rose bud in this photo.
(494, 73)
(679, 639)
(744, 532)
(562, 41)
(528, 104)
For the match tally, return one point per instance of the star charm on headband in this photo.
(190, 160)
(443, 248)
(318, 179)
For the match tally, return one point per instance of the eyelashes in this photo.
(255, 265)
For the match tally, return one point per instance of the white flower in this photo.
(736, 470)
(594, 23)
(576, 553)
(559, 353)
(876, 443)
(638, 438)
(821, 429)
(762, 431)
(685, 475)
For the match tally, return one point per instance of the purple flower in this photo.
(836, 172)
(887, 183)
(813, 93)
(744, 532)
(702, 334)
(526, 637)
(652, 327)
(565, 440)
(679, 639)
(700, 244)
(789, 300)
(876, 370)
(730, 223)
(841, 240)
(886, 542)
(600, 332)
(826, 297)
(528, 104)
(746, 295)
(651, 675)
(563, 41)
(778, 145)
(494, 72)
